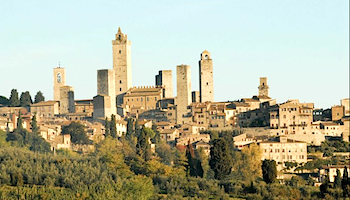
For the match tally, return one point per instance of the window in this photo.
(120, 81)
(120, 89)
(147, 99)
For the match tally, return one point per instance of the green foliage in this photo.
(77, 132)
(165, 153)
(194, 165)
(14, 101)
(19, 121)
(107, 129)
(143, 146)
(337, 180)
(33, 141)
(156, 138)
(220, 158)
(25, 99)
(269, 171)
(129, 129)
(35, 128)
(113, 127)
(4, 101)
(345, 183)
(39, 97)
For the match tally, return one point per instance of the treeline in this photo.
(23, 101)
(128, 168)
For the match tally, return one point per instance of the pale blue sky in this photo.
(302, 46)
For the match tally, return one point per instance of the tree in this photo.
(337, 180)
(39, 97)
(77, 132)
(25, 99)
(194, 165)
(269, 171)
(129, 129)
(143, 148)
(14, 101)
(35, 128)
(156, 138)
(345, 183)
(113, 127)
(4, 101)
(107, 129)
(19, 121)
(220, 159)
(324, 188)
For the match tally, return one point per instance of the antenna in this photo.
(59, 64)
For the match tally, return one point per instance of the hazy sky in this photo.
(301, 46)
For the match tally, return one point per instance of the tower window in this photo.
(207, 83)
(120, 51)
(120, 81)
(120, 89)
(120, 37)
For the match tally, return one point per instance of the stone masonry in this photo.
(165, 79)
(206, 83)
(183, 91)
(59, 80)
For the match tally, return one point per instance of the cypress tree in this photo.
(19, 121)
(25, 99)
(194, 165)
(107, 128)
(113, 129)
(35, 128)
(337, 180)
(39, 97)
(345, 183)
(220, 159)
(269, 171)
(143, 148)
(129, 129)
(14, 101)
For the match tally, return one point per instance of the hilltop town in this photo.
(292, 133)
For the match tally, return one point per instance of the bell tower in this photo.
(122, 62)
(59, 80)
(263, 87)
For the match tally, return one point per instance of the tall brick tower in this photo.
(206, 83)
(183, 99)
(263, 87)
(122, 62)
(59, 80)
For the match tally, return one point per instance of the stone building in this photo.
(291, 117)
(67, 104)
(59, 80)
(140, 99)
(206, 83)
(183, 98)
(330, 172)
(45, 109)
(263, 87)
(346, 103)
(105, 102)
(165, 80)
(284, 150)
(337, 112)
(122, 64)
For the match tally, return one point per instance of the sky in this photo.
(302, 47)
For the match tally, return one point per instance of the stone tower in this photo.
(104, 102)
(122, 62)
(263, 87)
(206, 83)
(184, 98)
(165, 79)
(59, 80)
(67, 100)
